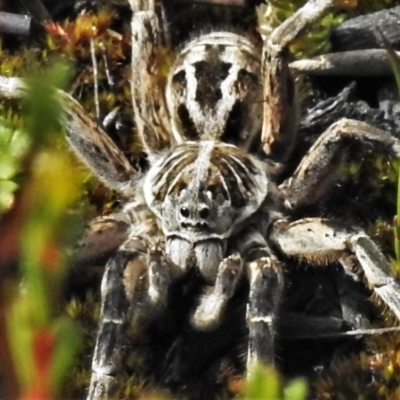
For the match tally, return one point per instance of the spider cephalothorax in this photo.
(202, 192)
(208, 202)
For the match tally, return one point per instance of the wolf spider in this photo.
(212, 199)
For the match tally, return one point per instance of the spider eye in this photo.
(184, 212)
(204, 213)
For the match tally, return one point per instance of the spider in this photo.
(212, 199)
(209, 199)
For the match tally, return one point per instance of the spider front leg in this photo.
(134, 287)
(87, 139)
(148, 39)
(101, 238)
(266, 285)
(320, 241)
(264, 274)
(280, 109)
(318, 167)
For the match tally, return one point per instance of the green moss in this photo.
(370, 375)
(316, 41)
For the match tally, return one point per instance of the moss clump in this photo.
(370, 375)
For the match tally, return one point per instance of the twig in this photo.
(95, 78)
(110, 79)
(356, 332)
(15, 24)
(373, 62)
(360, 33)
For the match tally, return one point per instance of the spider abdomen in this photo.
(214, 92)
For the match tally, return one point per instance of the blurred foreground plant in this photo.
(395, 62)
(34, 232)
(266, 384)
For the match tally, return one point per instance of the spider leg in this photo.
(106, 360)
(279, 98)
(126, 297)
(265, 277)
(148, 38)
(315, 172)
(320, 240)
(209, 313)
(86, 137)
(102, 236)
(95, 148)
(266, 284)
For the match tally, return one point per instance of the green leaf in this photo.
(395, 62)
(296, 390)
(69, 342)
(265, 384)
(44, 225)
